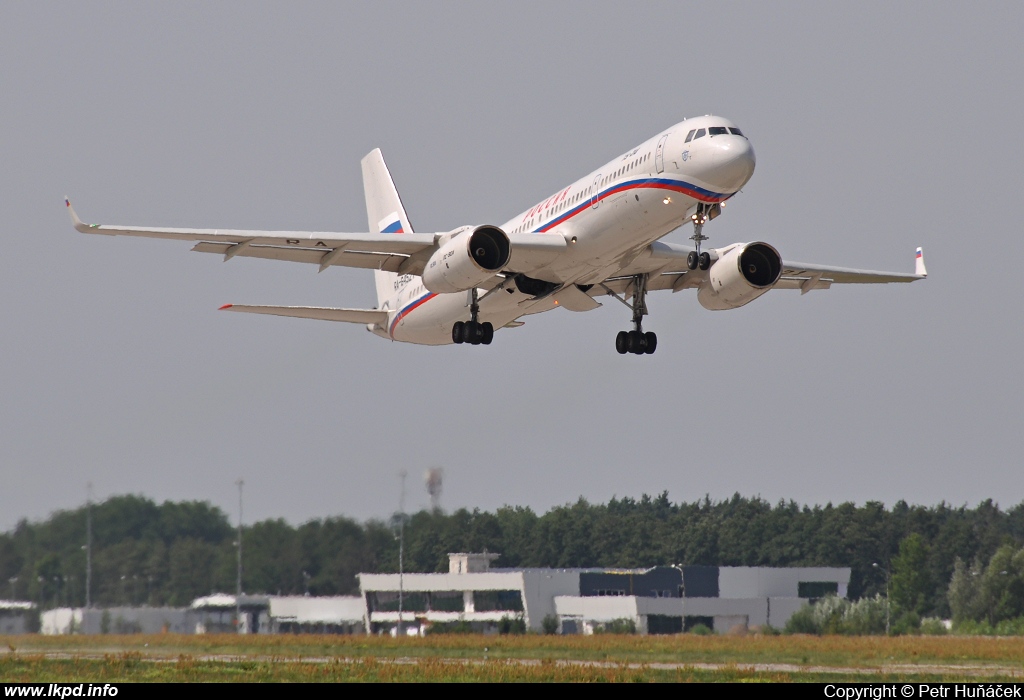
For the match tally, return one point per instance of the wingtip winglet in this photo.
(75, 221)
(225, 307)
(919, 268)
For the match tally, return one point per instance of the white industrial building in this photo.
(214, 613)
(470, 592)
(17, 617)
(119, 620)
(660, 600)
(343, 614)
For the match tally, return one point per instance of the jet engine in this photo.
(467, 259)
(740, 275)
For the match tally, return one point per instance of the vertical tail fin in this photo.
(384, 212)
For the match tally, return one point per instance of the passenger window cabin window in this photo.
(689, 136)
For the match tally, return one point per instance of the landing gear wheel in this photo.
(692, 260)
(651, 340)
(486, 333)
(472, 333)
(637, 343)
(703, 260)
(457, 332)
(622, 342)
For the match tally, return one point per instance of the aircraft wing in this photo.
(405, 253)
(323, 314)
(666, 263)
(392, 252)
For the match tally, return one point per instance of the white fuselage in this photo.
(607, 218)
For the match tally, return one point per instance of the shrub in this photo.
(907, 623)
(511, 625)
(833, 615)
(550, 624)
(1003, 628)
(620, 626)
(460, 627)
(701, 629)
(933, 626)
(802, 622)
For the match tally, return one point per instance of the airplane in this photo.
(599, 236)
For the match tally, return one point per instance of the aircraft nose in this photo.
(732, 163)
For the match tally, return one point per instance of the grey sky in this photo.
(878, 127)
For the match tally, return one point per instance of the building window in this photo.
(664, 624)
(817, 589)
(691, 621)
(387, 601)
(447, 601)
(489, 601)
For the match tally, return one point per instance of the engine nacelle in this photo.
(467, 259)
(742, 274)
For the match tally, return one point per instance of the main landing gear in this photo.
(636, 341)
(472, 331)
(697, 259)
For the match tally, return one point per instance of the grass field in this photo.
(522, 658)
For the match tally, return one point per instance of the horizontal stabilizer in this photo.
(323, 314)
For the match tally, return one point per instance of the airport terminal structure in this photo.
(659, 600)
(475, 596)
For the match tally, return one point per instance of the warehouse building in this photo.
(669, 599)
(316, 614)
(117, 620)
(211, 614)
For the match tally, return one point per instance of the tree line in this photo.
(170, 553)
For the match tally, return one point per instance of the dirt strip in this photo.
(901, 669)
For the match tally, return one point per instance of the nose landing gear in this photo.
(636, 341)
(697, 259)
(472, 331)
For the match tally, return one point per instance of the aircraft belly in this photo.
(431, 322)
(616, 233)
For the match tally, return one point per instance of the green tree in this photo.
(1002, 584)
(966, 601)
(911, 579)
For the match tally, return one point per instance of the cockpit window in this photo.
(700, 132)
(717, 130)
(736, 131)
(689, 136)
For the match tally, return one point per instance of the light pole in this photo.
(401, 553)
(88, 545)
(887, 605)
(238, 581)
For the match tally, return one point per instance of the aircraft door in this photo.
(659, 154)
(595, 192)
